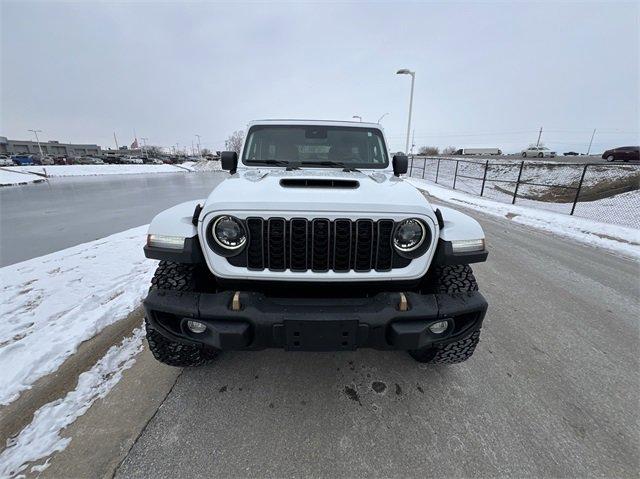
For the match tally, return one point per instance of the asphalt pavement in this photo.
(45, 217)
(550, 392)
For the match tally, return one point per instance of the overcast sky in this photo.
(487, 74)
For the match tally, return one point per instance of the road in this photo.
(45, 217)
(551, 392)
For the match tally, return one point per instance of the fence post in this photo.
(515, 191)
(437, 170)
(411, 168)
(455, 175)
(424, 167)
(484, 177)
(575, 201)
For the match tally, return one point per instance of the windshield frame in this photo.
(302, 164)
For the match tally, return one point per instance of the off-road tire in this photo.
(176, 277)
(451, 279)
(456, 278)
(452, 353)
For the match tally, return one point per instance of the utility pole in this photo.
(35, 132)
(199, 153)
(539, 135)
(413, 141)
(591, 141)
(144, 143)
(115, 138)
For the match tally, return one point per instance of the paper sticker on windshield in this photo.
(368, 133)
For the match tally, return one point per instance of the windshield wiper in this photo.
(337, 164)
(268, 162)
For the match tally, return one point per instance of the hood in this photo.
(316, 190)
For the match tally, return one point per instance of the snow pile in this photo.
(8, 177)
(42, 437)
(616, 238)
(51, 304)
(93, 170)
(204, 165)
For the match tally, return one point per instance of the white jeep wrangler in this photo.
(313, 243)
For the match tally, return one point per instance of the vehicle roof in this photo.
(357, 124)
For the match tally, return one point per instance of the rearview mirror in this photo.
(400, 164)
(229, 161)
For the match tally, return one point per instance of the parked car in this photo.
(538, 152)
(622, 153)
(111, 159)
(310, 259)
(60, 160)
(570, 153)
(6, 161)
(46, 160)
(23, 160)
(134, 160)
(89, 160)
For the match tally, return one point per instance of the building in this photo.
(53, 148)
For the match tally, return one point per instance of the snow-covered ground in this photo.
(93, 170)
(613, 237)
(18, 175)
(501, 178)
(51, 304)
(42, 437)
(8, 177)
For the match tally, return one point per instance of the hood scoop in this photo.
(318, 183)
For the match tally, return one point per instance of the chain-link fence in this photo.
(602, 192)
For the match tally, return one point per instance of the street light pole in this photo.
(406, 71)
(35, 132)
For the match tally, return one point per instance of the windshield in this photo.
(315, 146)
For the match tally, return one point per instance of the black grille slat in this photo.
(384, 251)
(321, 245)
(255, 249)
(298, 232)
(342, 245)
(364, 245)
(276, 244)
(320, 249)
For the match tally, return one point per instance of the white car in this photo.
(538, 152)
(133, 160)
(6, 161)
(314, 243)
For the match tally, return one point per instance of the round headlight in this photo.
(229, 232)
(409, 235)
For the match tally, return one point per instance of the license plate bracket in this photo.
(321, 335)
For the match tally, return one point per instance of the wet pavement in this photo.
(45, 217)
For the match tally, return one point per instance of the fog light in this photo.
(196, 327)
(439, 327)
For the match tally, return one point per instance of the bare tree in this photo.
(428, 150)
(449, 150)
(234, 142)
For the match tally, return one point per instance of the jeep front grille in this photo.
(319, 245)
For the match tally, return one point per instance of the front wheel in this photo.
(176, 277)
(610, 158)
(524, 154)
(540, 155)
(450, 280)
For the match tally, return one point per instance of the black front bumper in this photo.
(310, 324)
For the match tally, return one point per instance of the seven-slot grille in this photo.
(320, 245)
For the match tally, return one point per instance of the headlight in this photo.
(229, 232)
(409, 235)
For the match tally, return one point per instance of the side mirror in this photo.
(400, 164)
(229, 161)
